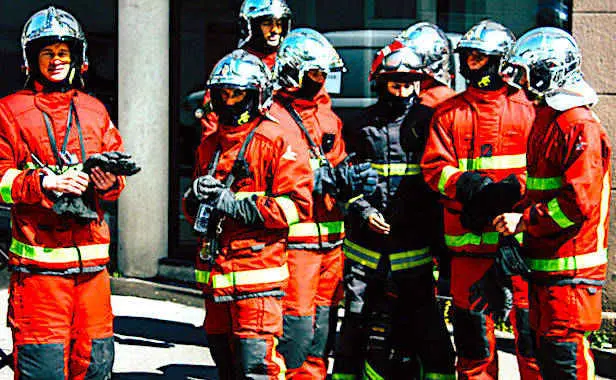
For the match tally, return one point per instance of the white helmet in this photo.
(304, 49)
(547, 62)
(430, 43)
(253, 9)
(53, 25)
(242, 70)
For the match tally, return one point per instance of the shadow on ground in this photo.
(161, 333)
(172, 372)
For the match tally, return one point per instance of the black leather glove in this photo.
(469, 184)
(491, 200)
(206, 187)
(363, 178)
(118, 163)
(493, 294)
(244, 210)
(325, 180)
(74, 206)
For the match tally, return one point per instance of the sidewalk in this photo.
(163, 340)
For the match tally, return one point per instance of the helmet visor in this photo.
(402, 60)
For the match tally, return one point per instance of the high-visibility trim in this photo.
(603, 211)
(311, 229)
(352, 200)
(396, 169)
(315, 163)
(288, 208)
(439, 376)
(247, 277)
(343, 376)
(514, 161)
(446, 173)
(562, 264)
(279, 361)
(6, 185)
(410, 259)
(558, 215)
(361, 255)
(247, 194)
(590, 363)
(470, 238)
(544, 184)
(59, 255)
(370, 373)
(202, 276)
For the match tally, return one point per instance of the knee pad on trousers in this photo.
(101, 359)
(296, 340)
(220, 350)
(250, 354)
(41, 361)
(525, 340)
(557, 360)
(470, 334)
(321, 332)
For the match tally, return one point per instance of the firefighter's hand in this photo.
(207, 188)
(102, 180)
(509, 223)
(71, 182)
(377, 223)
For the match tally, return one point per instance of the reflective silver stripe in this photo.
(240, 278)
(59, 255)
(246, 194)
(514, 161)
(6, 185)
(288, 208)
(311, 229)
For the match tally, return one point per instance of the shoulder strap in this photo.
(52, 139)
(300, 124)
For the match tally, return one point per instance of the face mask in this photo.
(309, 88)
(485, 78)
(396, 105)
(238, 114)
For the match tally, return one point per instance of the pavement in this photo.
(162, 339)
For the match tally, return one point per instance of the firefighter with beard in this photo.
(60, 299)
(254, 182)
(315, 246)
(391, 311)
(565, 210)
(476, 158)
(263, 24)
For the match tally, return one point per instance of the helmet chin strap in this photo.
(486, 78)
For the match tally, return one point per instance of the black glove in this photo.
(325, 180)
(469, 184)
(117, 163)
(74, 206)
(363, 178)
(493, 294)
(244, 210)
(491, 200)
(206, 187)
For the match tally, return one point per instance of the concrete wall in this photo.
(593, 28)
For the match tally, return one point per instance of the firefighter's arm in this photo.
(439, 163)
(112, 142)
(585, 185)
(18, 185)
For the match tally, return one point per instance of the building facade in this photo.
(147, 56)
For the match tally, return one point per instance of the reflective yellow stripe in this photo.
(250, 277)
(311, 229)
(396, 169)
(361, 255)
(590, 364)
(370, 373)
(288, 208)
(561, 264)
(439, 376)
(544, 184)
(513, 161)
(59, 255)
(410, 259)
(558, 215)
(474, 239)
(447, 172)
(6, 185)
(343, 376)
(279, 361)
(246, 194)
(202, 276)
(603, 210)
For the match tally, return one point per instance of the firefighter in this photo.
(390, 307)
(304, 60)
(476, 157)
(60, 300)
(256, 182)
(565, 209)
(263, 25)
